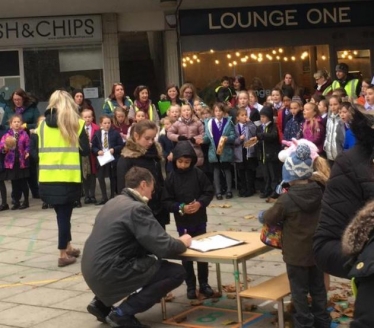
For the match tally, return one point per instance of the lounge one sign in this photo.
(286, 17)
(50, 30)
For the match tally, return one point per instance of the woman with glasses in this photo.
(117, 98)
(323, 83)
(143, 151)
(143, 103)
(188, 93)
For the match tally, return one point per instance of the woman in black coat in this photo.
(142, 150)
(350, 186)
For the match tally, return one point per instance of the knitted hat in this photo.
(268, 112)
(342, 67)
(299, 165)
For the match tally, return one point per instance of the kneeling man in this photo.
(123, 255)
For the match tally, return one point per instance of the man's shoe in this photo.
(98, 309)
(74, 252)
(229, 195)
(102, 202)
(4, 207)
(24, 205)
(128, 321)
(87, 200)
(15, 206)
(44, 206)
(64, 261)
(206, 290)
(191, 293)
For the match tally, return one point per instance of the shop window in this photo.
(9, 74)
(357, 60)
(262, 68)
(47, 70)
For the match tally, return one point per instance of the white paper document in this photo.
(214, 242)
(106, 158)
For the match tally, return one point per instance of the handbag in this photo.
(271, 235)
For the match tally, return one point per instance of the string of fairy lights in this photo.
(233, 59)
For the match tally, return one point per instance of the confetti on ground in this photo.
(250, 217)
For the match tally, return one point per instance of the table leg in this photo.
(163, 308)
(237, 286)
(219, 281)
(244, 274)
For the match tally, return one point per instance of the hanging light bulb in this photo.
(355, 52)
(230, 64)
(198, 60)
(260, 59)
(191, 62)
(280, 50)
(188, 58)
(216, 61)
(184, 65)
(285, 59)
(345, 52)
(323, 57)
(246, 57)
(274, 52)
(228, 56)
(277, 57)
(243, 60)
(237, 54)
(234, 63)
(293, 58)
(194, 57)
(211, 50)
(253, 56)
(350, 57)
(184, 60)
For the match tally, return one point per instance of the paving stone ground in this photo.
(34, 292)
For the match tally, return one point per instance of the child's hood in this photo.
(184, 149)
(306, 196)
(359, 231)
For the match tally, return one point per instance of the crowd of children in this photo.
(220, 137)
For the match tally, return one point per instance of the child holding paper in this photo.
(187, 193)
(107, 140)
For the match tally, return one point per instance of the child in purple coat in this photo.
(16, 161)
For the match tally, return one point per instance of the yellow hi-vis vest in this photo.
(58, 160)
(150, 111)
(350, 87)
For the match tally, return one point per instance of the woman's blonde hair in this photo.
(67, 115)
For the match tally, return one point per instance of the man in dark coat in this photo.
(123, 255)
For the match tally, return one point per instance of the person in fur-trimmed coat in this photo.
(141, 150)
(358, 243)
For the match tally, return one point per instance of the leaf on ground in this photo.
(229, 322)
(250, 307)
(180, 319)
(225, 206)
(249, 217)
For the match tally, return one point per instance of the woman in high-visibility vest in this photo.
(62, 139)
(117, 98)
